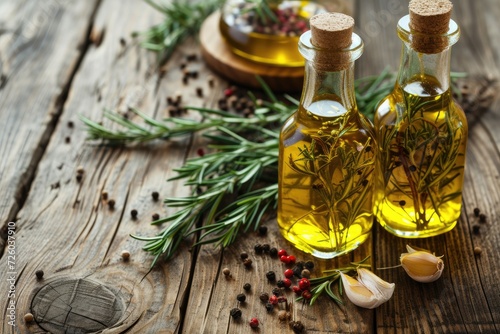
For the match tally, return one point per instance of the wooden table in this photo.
(63, 58)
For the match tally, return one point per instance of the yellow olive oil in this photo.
(325, 183)
(422, 137)
(264, 40)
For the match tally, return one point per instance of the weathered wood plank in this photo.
(65, 227)
(37, 60)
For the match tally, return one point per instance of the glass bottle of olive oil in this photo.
(421, 131)
(327, 149)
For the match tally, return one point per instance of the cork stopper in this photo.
(429, 19)
(331, 32)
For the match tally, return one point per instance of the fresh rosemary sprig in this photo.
(242, 166)
(181, 20)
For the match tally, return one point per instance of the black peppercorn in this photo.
(309, 265)
(244, 255)
(262, 230)
(155, 216)
(271, 276)
(39, 274)
(269, 307)
(258, 249)
(476, 212)
(264, 297)
(297, 269)
(482, 218)
(280, 284)
(266, 248)
(297, 327)
(155, 195)
(273, 252)
(402, 202)
(247, 262)
(235, 313)
(111, 204)
(133, 213)
(277, 291)
(475, 229)
(241, 298)
(247, 286)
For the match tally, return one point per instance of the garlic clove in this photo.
(422, 266)
(368, 291)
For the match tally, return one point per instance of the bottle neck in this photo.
(328, 78)
(417, 67)
(335, 88)
(425, 58)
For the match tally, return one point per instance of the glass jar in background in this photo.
(267, 31)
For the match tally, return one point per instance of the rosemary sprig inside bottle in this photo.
(243, 165)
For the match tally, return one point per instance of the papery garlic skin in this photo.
(421, 265)
(368, 291)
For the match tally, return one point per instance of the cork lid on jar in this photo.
(331, 33)
(429, 20)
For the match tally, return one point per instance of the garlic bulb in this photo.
(368, 291)
(421, 265)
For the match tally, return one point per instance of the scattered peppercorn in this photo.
(247, 262)
(290, 259)
(280, 283)
(288, 273)
(39, 274)
(111, 204)
(297, 269)
(304, 284)
(269, 307)
(71, 124)
(191, 57)
(482, 218)
(309, 265)
(79, 177)
(297, 290)
(104, 195)
(266, 248)
(125, 255)
(226, 271)
(28, 317)
(297, 327)
(80, 170)
(476, 212)
(273, 299)
(211, 81)
(287, 282)
(271, 276)
(155, 195)
(254, 322)
(477, 250)
(258, 249)
(262, 230)
(282, 316)
(241, 297)
(273, 252)
(244, 255)
(284, 259)
(264, 297)
(199, 91)
(306, 294)
(412, 168)
(306, 273)
(67, 140)
(475, 229)
(235, 313)
(402, 202)
(282, 252)
(155, 216)
(247, 286)
(133, 213)
(277, 291)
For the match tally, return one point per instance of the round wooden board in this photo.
(221, 59)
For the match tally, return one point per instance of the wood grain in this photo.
(65, 226)
(37, 62)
